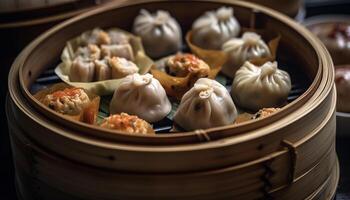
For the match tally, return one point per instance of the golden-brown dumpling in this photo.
(127, 123)
(181, 65)
(70, 101)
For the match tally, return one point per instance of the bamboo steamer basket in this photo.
(275, 157)
(288, 7)
(23, 20)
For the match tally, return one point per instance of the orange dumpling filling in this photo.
(127, 123)
(183, 64)
(183, 71)
(74, 103)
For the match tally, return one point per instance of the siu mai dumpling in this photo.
(181, 65)
(117, 50)
(102, 70)
(127, 123)
(239, 50)
(214, 28)
(82, 70)
(69, 101)
(122, 67)
(96, 36)
(118, 37)
(141, 95)
(74, 103)
(257, 87)
(91, 51)
(160, 33)
(208, 104)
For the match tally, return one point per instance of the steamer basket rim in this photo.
(313, 41)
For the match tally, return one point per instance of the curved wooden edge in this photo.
(51, 18)
(168, 138)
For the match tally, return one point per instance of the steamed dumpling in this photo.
(117, 50)
(214, 28)
(96, 36)
(257, 87)
(239, 50)
(82, 70)
(208, 104)
(69, 101)
(122, 67)
(181, 65)
(91, 51)
(141, 95)
(102, 70)
(161, 34)
(127, 123)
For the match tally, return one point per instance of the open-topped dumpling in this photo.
(178, 73)
(72, 102)
(127, 123)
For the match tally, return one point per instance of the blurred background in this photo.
(23, 20)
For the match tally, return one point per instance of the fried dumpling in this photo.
(127, 123)
(257, 87)
(214, 28)
(141, 95)
(239, 50)
(161, 34)
(208, 104)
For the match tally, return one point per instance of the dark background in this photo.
(7, 47)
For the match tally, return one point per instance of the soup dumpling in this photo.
(239, 50)
(214, 28)
(207, 104)
(141, 95)
(257, 87)
(160, 33)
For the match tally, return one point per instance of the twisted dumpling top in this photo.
(256, 87)
(214, 28)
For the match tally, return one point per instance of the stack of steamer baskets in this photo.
(288, 155)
